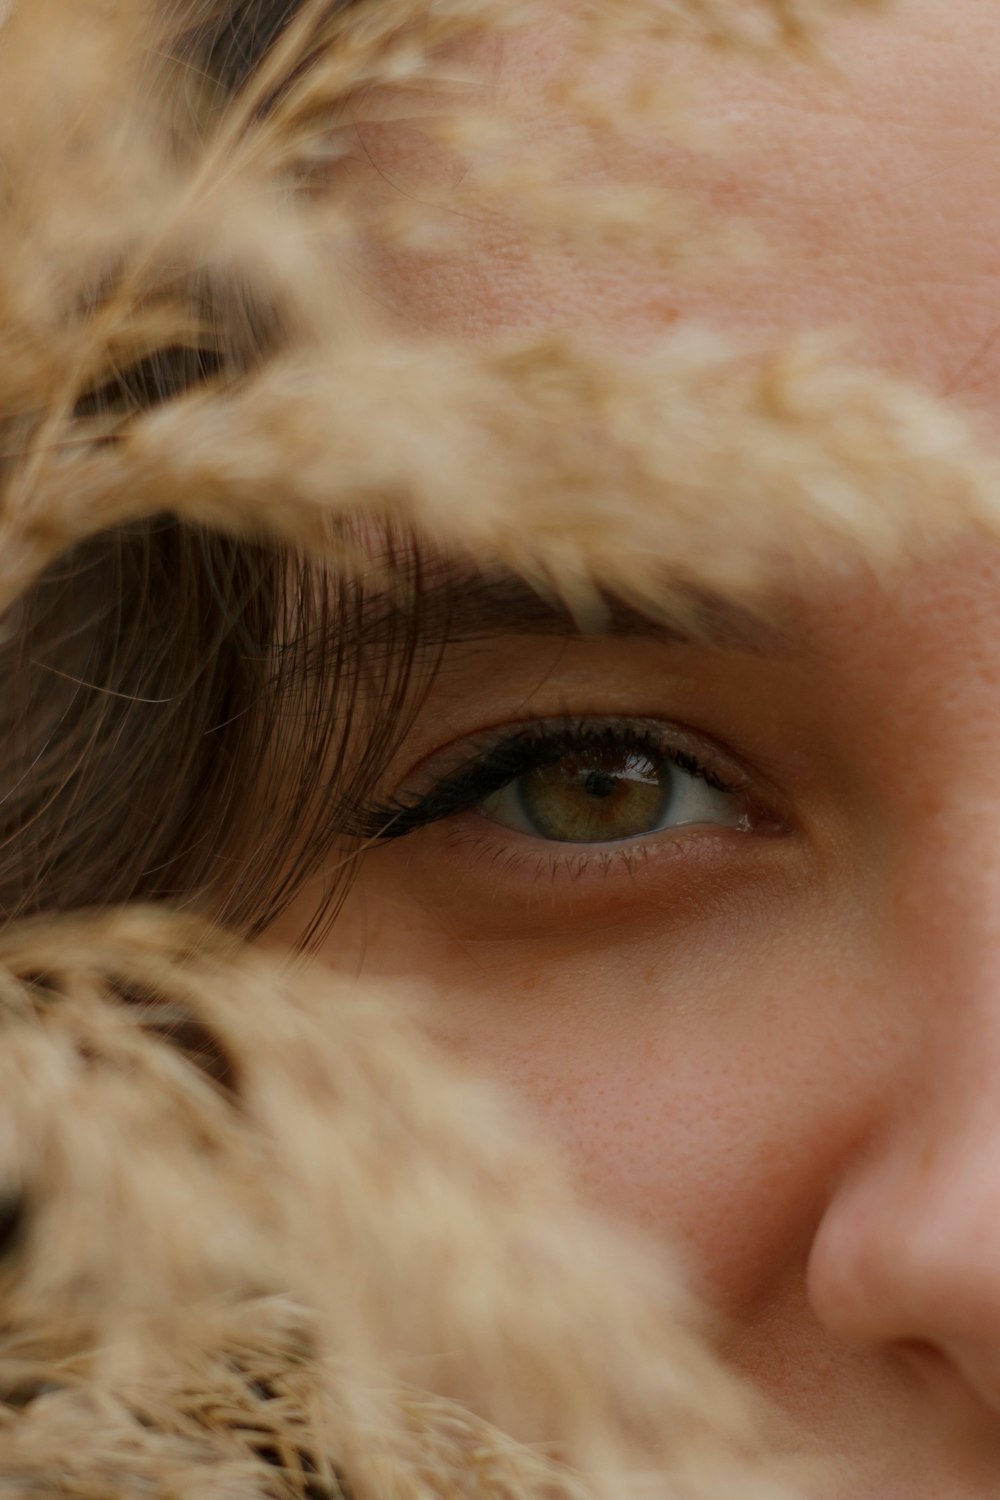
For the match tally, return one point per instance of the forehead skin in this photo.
(877, 193)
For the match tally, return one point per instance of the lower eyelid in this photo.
(544, 862)
(520, 888)
(477, 882)
(475, 827)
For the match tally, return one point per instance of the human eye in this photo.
(587, 783)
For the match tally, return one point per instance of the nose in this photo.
(907, 1254)
(907, 1257)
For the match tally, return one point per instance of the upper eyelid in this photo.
(481, 747)
(666, 736)
(466, 749)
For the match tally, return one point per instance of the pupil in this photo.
(600, 784)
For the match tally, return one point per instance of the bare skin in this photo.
(771, 1039)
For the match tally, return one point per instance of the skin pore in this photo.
(771, 1035)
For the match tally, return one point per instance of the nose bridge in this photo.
(945, 945)
(942, 888)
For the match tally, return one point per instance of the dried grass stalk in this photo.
(257, 1211)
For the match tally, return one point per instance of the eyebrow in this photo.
(449, 603)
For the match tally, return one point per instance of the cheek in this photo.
(704, 1089)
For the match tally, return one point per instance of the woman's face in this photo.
(728, 916)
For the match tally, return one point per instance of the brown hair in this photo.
(157, 669)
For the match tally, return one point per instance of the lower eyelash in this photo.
(554, 860)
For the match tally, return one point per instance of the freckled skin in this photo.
(874, 192)
(782, 1056)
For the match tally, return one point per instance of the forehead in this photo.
(875, 190)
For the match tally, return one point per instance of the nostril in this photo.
(920, 1356)
(948, 1376)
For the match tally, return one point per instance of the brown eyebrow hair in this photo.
(460, 602)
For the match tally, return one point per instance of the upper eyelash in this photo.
(504, 757)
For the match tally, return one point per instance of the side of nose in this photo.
(907, 1253)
